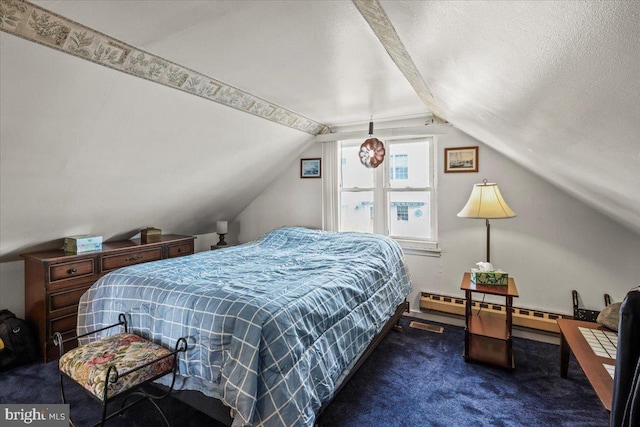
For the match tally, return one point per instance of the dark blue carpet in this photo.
(414, 378)
(419, 378)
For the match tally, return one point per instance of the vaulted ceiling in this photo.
(555, 86)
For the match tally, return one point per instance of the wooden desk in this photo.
(590, 363)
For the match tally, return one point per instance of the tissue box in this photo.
(90, 247)
(500, 278)
(83, 243)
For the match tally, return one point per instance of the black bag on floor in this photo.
(17, 344)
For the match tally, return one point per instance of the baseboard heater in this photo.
(523, 317)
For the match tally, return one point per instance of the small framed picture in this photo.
(310, 168)
(461, 159)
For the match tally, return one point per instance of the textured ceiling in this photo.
(317, 58)
(552, 85)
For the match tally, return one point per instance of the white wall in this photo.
(85, 149)
(289, 200)
(12, 287)
(554, 245)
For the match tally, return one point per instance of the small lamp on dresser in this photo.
(221, 229)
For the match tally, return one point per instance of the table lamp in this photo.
(486, 202)
(221, 229)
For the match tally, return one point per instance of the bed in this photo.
(275, 326)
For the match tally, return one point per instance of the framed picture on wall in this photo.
(461, 159)
(310, 168)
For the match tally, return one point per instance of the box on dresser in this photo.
(82, 243)
(150, 234)
(55, 280)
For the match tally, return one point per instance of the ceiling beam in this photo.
(379, 22)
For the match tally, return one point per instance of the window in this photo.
(396, 199)
(402, 212)
(398, 168)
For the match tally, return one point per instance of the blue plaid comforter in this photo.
(272, 324)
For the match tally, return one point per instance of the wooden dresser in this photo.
(55, 280)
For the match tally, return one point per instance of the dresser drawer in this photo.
(181, 250)
(61, 301)
(66, 325)
(113, 262)
(72, 270)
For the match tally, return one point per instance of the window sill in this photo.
(419, 248)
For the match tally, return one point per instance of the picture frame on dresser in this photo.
(55, 280)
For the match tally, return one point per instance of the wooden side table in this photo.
(487, 336)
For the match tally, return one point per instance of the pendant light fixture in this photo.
(372, 150)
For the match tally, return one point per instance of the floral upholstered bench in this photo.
(116, 364)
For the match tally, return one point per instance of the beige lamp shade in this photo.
(486, 202)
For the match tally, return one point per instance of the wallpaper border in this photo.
(36, 24)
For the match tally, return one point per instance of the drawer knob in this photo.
(134, 258)
(179, 250)
(72, 270)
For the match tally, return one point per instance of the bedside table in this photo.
(487, 336)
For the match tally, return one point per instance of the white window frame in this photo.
(381, 190)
